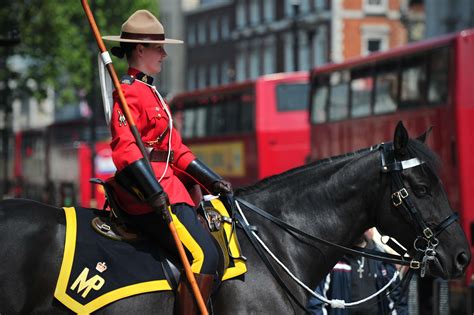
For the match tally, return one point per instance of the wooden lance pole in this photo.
(166, 212)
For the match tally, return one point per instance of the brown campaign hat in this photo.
(142, 27)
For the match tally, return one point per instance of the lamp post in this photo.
(296, 11)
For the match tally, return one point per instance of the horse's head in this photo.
(419, 215)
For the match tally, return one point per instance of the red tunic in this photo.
(151, 121)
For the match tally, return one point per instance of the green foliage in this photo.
(57, 42)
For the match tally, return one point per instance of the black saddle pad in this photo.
(96, 271)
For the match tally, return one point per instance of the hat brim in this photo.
(165, 41)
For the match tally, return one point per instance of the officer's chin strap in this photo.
(170, 126)
(334, 303)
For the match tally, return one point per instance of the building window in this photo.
(303, 50)
(191, 35)
(213, 75)
(202, 77)
(320, 46)
(375, 37)
(374, 44)
(240, 65)
(254, 12)
(213, 31)
(225, 31)
(288, 39)
(224, 73)
(375, 6)
(254, 63)
(304, 6)
(289, 8)
(240, 11)
(269, 55)
(191, 79)
(269, 10)
(320, 4)
(202, 33)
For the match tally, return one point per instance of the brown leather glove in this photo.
(221, 186)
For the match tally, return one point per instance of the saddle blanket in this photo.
(96, 271)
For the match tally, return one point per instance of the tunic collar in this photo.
(135, 73)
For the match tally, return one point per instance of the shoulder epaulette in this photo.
(127, 79)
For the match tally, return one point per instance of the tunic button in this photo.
(157, 108)
(159, 115)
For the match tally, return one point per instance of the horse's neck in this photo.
(334, 201)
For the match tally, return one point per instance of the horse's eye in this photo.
(421, 190)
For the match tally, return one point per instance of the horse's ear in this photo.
(400, 140)
(424, 136)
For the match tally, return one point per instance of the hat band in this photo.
(126, 35)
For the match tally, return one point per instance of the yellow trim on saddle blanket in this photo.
(66, 266)
(239, 267)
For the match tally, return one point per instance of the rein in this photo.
(400, 197)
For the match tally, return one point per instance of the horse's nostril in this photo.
(462, 259)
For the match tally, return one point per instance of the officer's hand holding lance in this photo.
(138, 177)
(221, 186)
(160, 202)
(204, 175)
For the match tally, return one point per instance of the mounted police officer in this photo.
(142, 42)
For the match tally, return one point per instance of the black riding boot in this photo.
(185, 303)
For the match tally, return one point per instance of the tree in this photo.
(58, 46)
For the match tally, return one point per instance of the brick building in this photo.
(360, 27)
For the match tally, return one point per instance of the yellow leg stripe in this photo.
(190, 244)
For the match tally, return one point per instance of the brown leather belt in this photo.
(161, 156)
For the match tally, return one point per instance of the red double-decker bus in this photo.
(54, 164)
(248, 131)
(357, 103)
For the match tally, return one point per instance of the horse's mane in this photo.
(309, 166)
(415, 148)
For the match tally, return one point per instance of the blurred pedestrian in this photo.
(354, 278)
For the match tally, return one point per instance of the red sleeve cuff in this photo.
(184, 160)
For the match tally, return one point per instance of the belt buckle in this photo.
(161, 155)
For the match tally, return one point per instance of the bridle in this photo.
(425, 243)
(426, 240)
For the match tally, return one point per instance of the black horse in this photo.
(336, 199)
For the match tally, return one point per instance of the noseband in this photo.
(426, 241)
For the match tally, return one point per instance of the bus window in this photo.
(361, 86)
(339, 97)
(386, 89)
(413, 83)
(320, 100)
(215, 122)
(189, 119)
(439, 72)
(232, 117)
(291, 97)
(200, 122)
(247, 114)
